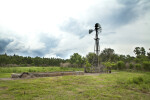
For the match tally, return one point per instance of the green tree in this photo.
(90, 57)
(37, 61)
(129, 58)
(143, 51)
(122, 58)
(120, 65)
(146, 65)
(76, 59)
(3, 60)
(108, 54)
(137, 51)
(148, 54)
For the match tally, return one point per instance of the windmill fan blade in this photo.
(90, 31)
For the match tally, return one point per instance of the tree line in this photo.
(16, 60)
(111, 60)
(107, 57)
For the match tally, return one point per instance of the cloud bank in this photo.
(51, 29)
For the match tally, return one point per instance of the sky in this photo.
(59, 28)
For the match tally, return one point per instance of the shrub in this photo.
(107, 64)
(114, 66)
(31, 70)
(138, 66)
(87, 66)
(129, 70)
(120, 65)
(137, 60)
(136, 80)
(146, 65)
(131, 66)
(23, 65)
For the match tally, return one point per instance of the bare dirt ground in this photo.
(98, 73)
(6, 79)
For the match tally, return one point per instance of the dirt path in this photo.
(6, 79)
(89, 74)
(98, 73)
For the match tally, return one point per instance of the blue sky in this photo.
(59, 28)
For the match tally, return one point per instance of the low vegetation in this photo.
(36, 69)
(106, 57)
(116, 86)
(130, 81)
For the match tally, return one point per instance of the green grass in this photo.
(115, 86)
(36, 69)
(5, 75)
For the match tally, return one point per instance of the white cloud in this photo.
(130, 36)
(34, 26)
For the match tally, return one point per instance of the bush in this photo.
(137, 60)
(114, 66)
(138, 66)
(136, 80)
(31, 70)
(131, 66)
(129, 70)
(120, 65)
(107, 64)
(87, 66)
(23, 65)
(146, 65)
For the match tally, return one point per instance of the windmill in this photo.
(96, 47)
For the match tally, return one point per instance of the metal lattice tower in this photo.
(96, 47)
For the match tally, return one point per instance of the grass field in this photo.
(115, 86)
